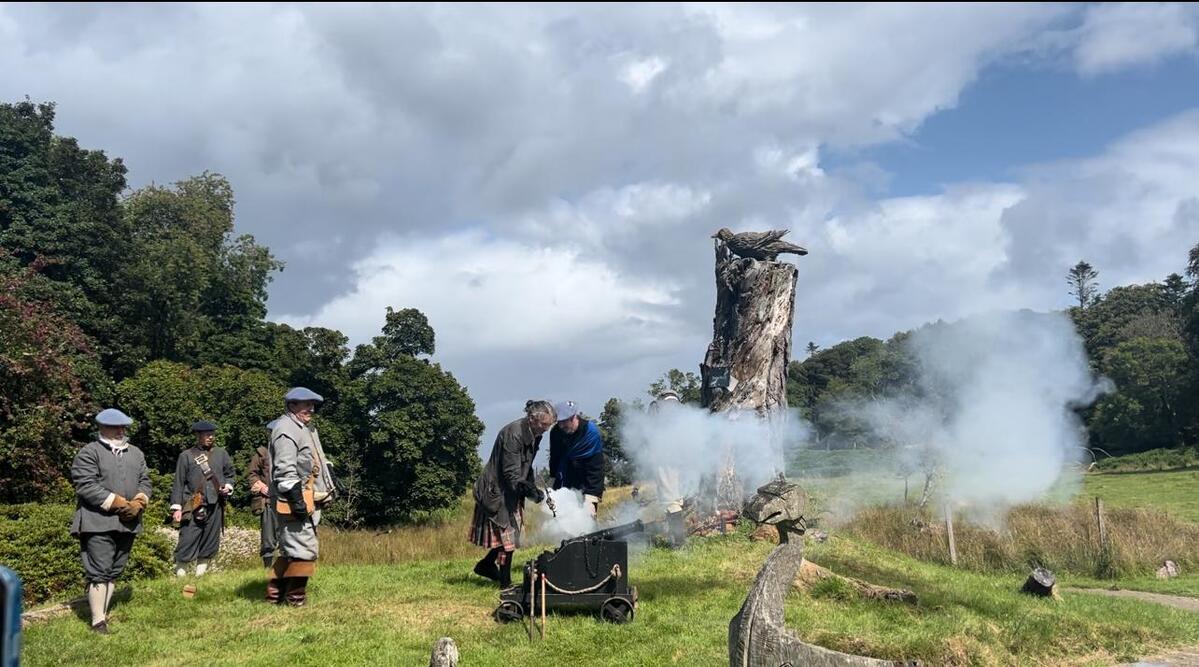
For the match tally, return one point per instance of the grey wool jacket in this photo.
(189, 476)
(295, 449)
(97, 472)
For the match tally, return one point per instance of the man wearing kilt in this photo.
(500, 492)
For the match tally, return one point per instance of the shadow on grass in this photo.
(676, 586)
(475, 581)
(255, 589)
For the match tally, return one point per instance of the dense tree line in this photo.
(149, 300)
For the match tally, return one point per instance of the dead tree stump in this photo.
(745, 367)
(1041, 582)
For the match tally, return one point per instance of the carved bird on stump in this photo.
(758, 245)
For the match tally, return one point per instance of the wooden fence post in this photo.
(1102, 525)
(953, 550)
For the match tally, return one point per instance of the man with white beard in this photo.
(112, 488)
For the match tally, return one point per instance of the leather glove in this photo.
(539, 495)
(138, 504)
(295, 499)
(122, 509)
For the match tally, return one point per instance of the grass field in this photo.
(1175, 491)
(372, 614)
(385, 597)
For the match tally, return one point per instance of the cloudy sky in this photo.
(542, 180)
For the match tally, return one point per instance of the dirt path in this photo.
(1176, 601)
(1187, 657)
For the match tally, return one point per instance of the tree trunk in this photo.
(745, 368)
(746, 364)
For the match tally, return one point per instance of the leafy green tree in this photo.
(165, 398)
(50, 382)
(197, 294)
(1144, 412)
(60, 203)
(1106, 323)
(413, 427)
(685, 385)
(617, 467)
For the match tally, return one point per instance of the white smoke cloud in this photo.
(569, 518)
(680, 445)
(994, 406)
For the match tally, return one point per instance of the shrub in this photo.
(36, 544)
(1154, 459)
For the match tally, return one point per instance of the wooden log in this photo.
(810, 574)
(745, 367)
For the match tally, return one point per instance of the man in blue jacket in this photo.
(577, 455)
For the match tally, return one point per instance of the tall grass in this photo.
(1062, 538)
(441, 538)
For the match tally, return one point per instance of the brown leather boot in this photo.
(276, 582)
(297, 591)
(275, 590)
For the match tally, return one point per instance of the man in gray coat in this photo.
(203, 480)
(300, 486)
(112, 488)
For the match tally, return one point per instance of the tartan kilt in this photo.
(486, 534)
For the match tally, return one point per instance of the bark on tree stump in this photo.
(745, 367)
(1041, 582)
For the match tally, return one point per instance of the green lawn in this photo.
(1175, 491)
(374, 614)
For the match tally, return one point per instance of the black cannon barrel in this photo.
(614, 532)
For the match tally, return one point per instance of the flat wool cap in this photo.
(113, 417)
(303, 394)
